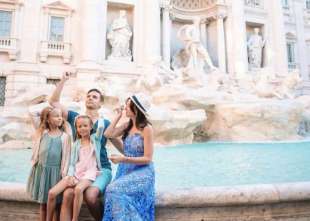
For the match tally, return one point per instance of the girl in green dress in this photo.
(51, 156)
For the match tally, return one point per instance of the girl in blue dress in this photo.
(50, 158)
(131, 195)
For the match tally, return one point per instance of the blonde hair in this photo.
(44, 125)
(77, 136)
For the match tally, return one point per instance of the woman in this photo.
(131, 196)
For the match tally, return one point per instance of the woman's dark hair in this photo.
(141, 120)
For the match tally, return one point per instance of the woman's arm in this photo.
(112, 131)
(118, 143)
(148, 150)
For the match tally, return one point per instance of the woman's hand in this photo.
(117, 158)
(119, 112)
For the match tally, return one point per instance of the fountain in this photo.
(189, 104)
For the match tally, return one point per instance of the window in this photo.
(5, 23)
(253, 3)
(308, 4)
(285, 3)
(2, 90)
(291, 55)
(52, 81)
(290, 52)
(57, 27)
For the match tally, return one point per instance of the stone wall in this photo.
(296, 211)
(279, 202)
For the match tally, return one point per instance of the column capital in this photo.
(165, 4)
(220, 15)
(204, 21)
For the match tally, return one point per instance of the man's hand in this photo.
(66, 76)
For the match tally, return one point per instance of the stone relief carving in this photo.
(192, 4)
(180, 60)
(266, 86)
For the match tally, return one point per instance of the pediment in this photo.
(290, 35)
(58, 5)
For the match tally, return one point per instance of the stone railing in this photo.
(9, 45)
(55, 48)
(293, 66)
(254, 3)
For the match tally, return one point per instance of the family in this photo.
(70, 163)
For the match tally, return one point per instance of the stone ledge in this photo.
(278, 202)
(202, 196)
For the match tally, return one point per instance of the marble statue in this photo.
(199, 56)
(279, 87)
(180, 59)
(255, 46)
(119, 37)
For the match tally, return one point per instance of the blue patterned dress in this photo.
(131, 196)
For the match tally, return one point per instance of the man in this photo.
(93, 102)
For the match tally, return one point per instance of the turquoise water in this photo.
(211, 164)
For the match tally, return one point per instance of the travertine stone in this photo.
(240, 203)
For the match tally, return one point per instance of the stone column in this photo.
(221, 46)
(151, 31)
(30, 44)
(203, 32)
(238, 60)
(137, 49)
(45, 22)
(68, 28)
(301, 39)
(93, 30)
(275, 39)
(166, 35)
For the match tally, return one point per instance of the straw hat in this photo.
(142, 103)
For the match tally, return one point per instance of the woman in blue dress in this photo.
(131, 195)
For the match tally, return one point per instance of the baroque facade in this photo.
(125, 38)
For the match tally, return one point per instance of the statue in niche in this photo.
(255, 49)
(119, 37)
(198, 55)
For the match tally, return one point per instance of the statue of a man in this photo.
(119, 37)
(190, 34)
(255, 48)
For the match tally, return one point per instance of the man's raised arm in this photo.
(55, 97)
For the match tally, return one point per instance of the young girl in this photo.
(84, 165)
(51, 156)
(131, 196)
